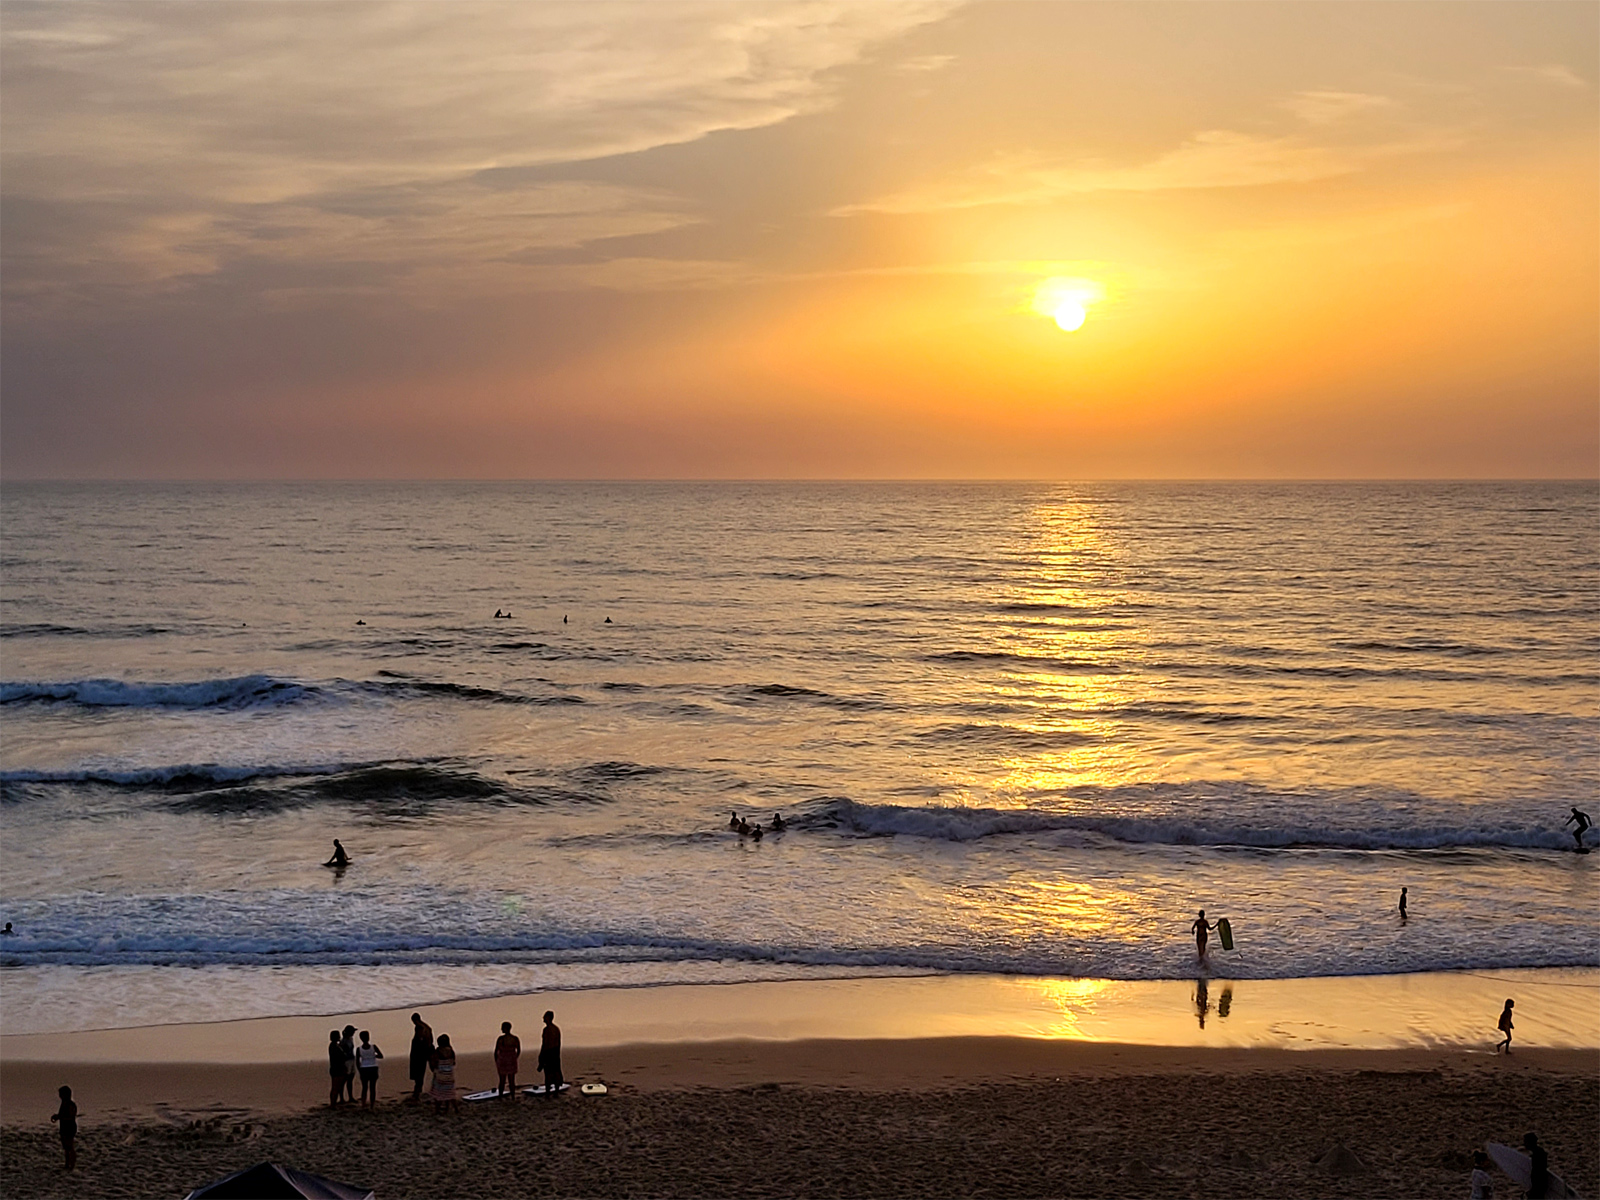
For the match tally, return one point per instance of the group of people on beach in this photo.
(745, 829)
(347, 1060)
(439, 1057)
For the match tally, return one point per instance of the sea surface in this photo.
(1013, 728)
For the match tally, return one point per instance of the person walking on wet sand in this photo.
(1505, 1026)
(421, 1052)
(1402, 904)
(1582, 823)
(67, 1114)
(550, 1054)
(1202, 931)
(507, 1050)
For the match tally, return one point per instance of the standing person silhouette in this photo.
(421, 1052)
(1583, 822)
(1505, 1026)
(1402, 904)
(67, 1114)
(507, 1050)
(1202, 930)
(550, 1054)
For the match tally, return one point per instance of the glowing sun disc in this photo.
(1071, 316)
(1067, 300)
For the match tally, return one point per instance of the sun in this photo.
(1067, 300)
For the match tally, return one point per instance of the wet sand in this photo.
(943, 1117)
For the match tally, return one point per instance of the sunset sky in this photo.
(809, 238)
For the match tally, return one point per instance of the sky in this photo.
(799, 239)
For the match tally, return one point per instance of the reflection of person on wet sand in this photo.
(1202, 1001)
(1225, 1001)
(1202, 930)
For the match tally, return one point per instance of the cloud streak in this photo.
(147, 145)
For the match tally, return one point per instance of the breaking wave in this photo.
(973, 824)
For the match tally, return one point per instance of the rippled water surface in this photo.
(1014, 728)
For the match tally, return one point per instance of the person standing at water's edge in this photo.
(1202, 931)
(550, 1054)
(1402, 904)
(1505, 1026)
(67, 1114)
(421, 1052)
(507, 1050)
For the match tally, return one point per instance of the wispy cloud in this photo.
(1557, 73)
(1329, 108)
(1217, 158)
(147, 144)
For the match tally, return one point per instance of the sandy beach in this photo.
(1169, 1107)
(941, 1117)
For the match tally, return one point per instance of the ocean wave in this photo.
(245, 691)
(373, 946)
(973, 824)
(397, 789)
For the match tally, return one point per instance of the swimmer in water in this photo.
(8, 931)
(340, 858)
(756, 833)
(733, 820)
(777, 822)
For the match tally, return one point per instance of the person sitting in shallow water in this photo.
(340, 858)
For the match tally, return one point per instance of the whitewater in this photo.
(1013, 728)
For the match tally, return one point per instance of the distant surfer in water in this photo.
(8, 931)
(340, 858)
(1505, 1026)
(1402, 904)
(1582, 823)
(733, 820)
(777, 822)
(1202, 932)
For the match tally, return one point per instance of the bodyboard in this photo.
(539, 1091)
(1225, 932)
(593, 1089)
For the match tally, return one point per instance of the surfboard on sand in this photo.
(539, 1090)
(1225, 933)
(1519, 1167)
(489, 1095)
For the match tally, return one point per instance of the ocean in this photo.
(1023, 729)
